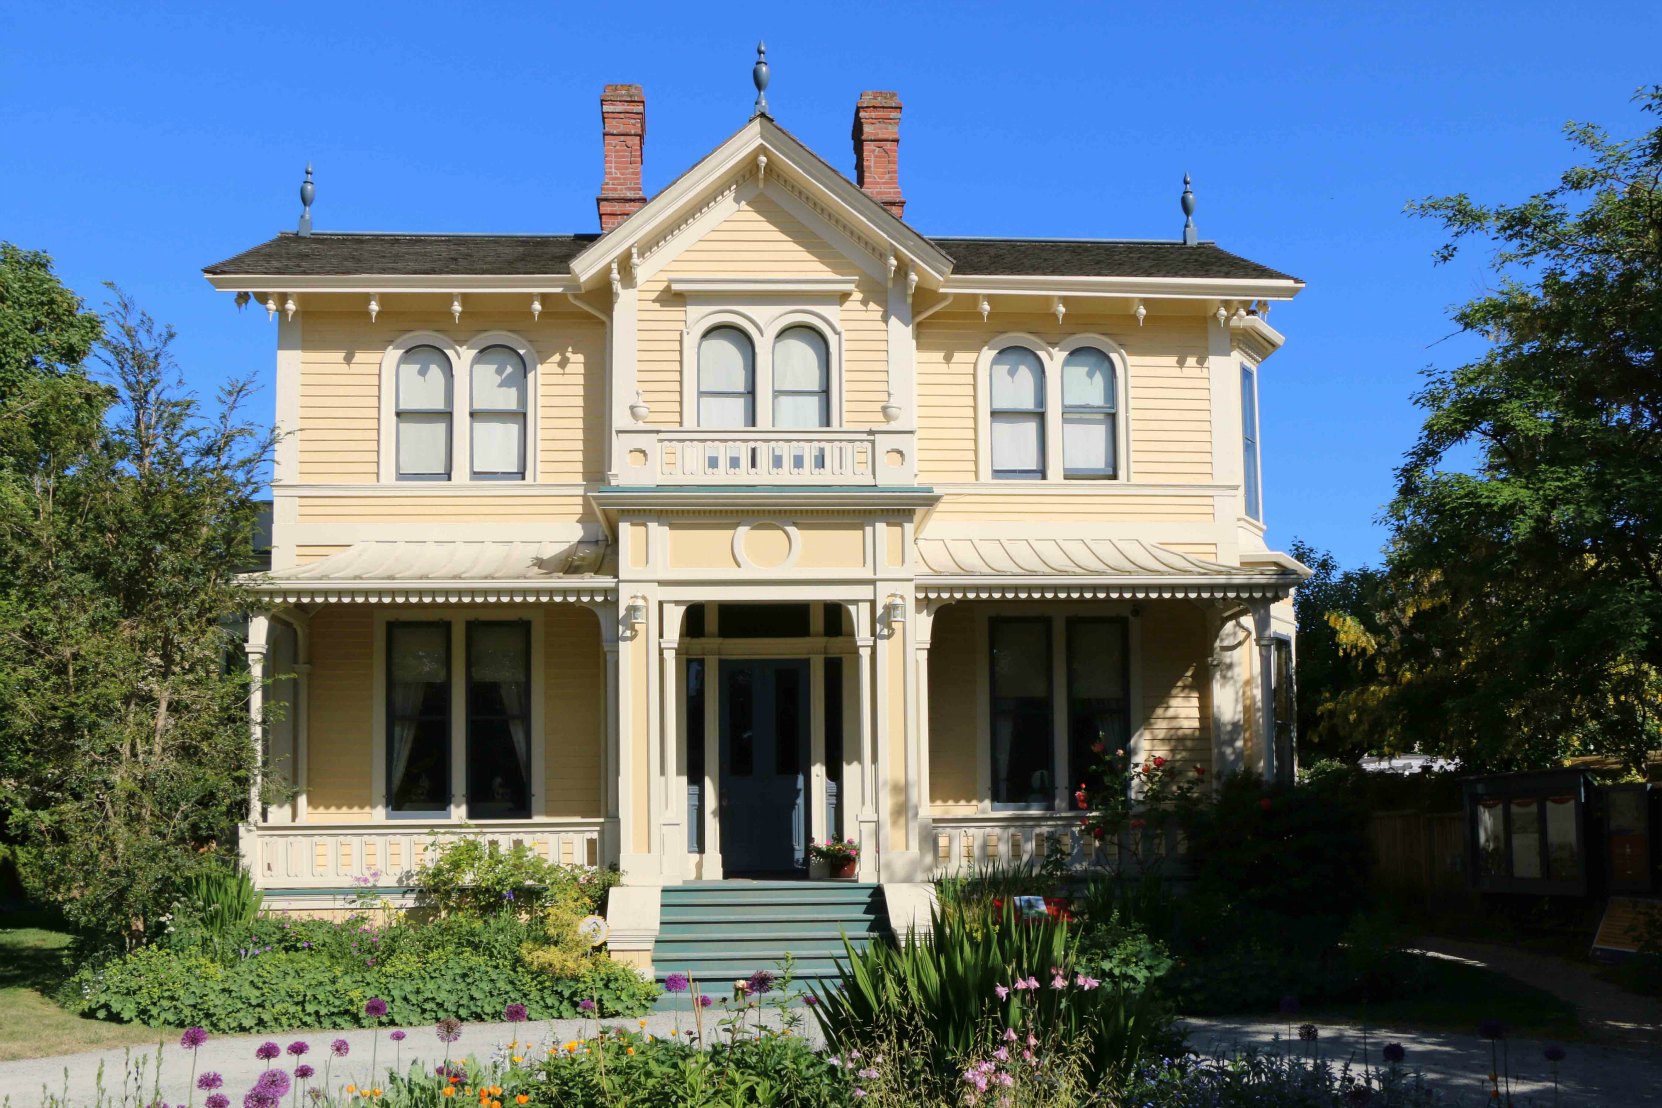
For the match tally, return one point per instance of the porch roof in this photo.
(1092, 567)
(469, 570)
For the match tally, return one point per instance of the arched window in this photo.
(801, 379)
(423, 407)
(1090, 406)
(498, 409)
(1018, 414)
(726, 379)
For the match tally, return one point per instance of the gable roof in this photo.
(1098, 258)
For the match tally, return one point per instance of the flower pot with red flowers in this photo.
(841, 856)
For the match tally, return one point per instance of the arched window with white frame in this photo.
(801, 378)
(499, 402)
(1017, 409)
(1090, 413)
(423, 410)
(726, 379)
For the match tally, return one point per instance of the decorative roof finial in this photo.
(759, 74)
(1191, 237)
(307, 192)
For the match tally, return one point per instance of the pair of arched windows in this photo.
(799, 392)
(1022, 420)
(424, 408)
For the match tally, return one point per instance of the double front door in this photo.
(765, 761)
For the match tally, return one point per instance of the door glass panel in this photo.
(764, 621)
(695, 751)
(499, 720)
(741, 721)
(1526, 837)
(418, 717)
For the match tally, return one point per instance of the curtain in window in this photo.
(1018, 407)
(1099, 702)
(418, 685)
(422, 395)
(499, 719)
(726, 379)
(499, 407)
(801, 379)
(1089, 398)
(1022, 738)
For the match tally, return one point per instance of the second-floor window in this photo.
(498, 414)
(726, 379)
(801, 379)
(1251, 470)
(1089, 402)
(1018, 414)
(423, 407)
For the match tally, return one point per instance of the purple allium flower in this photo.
(1289, 1005)
(449, 1029)
(217, 1100)
(209, 1081)
(677, 983)
(761, 982)
(1308, 1033)
(375, 1007)
(297, 1048)
(275, 1082)
(1492, 1029)
(267, 1051)
(811, 1000)
(585, 1005)
(340, 1048)
(704, 1000)
(1552, 1052)
(397, 1036)
(515, 1013)
(1394, 1053)
(303, 1071)
(193, 1038)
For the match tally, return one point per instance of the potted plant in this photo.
(840, 856)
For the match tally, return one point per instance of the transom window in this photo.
(1018, 414)
(499, 406)
(423, 408)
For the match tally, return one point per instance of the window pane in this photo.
(424, 380)
(499, 379)
(499, 444)
(1099, 706)
(418, 717)
(1491, 838)
(1018, 445)
(1018, 380)
(1088, 378)
(741, 721)
(695, 749)
(1526, 837)
(725, 411)
(1563, 846)
(788, 698)
(1088, 443)
(499, 720)
(1022, 737)
(800, 360)
(726, 362)
(423, 445)
(1249, 444)
(799, 410)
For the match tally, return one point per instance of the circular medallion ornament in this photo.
(594, 929)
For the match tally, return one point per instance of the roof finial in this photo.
(307, 192)
(759, 74)
(1191, 237)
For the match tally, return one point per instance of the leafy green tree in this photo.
(125, 752)
(44, 330)
(1331, 607)
(1524, 611)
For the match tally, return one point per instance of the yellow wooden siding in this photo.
(340, 386)
(1169, 389)
(1026, 504)
(338, 754)
(1175, 679)
(762, 239)
(953, 666)
(574, 711)
(527, 508)
(304, 554)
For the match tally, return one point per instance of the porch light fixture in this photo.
(894, 610)
(634, 613)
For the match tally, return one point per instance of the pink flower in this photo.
(1002, 991)
(1002, 1054)
(1009, 1035)
(1086, 983)
(1058, 982)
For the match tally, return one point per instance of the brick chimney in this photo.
(877, 148)
(623, 137)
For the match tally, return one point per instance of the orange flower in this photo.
(449, 1090)
(522, 1099)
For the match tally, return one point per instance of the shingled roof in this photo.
(340, 254)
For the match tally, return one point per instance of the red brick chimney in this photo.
(623, 136)
(877, 148)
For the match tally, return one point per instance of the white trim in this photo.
(763, 286)
(792, 536)
(764, 323)
(584, 591)
(390, 358)
(437, 488)
(550, 283)
(1152, 288)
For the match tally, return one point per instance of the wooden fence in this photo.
(1421, 855)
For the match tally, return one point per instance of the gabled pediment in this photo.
(764, 165)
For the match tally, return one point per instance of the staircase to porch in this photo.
(719, 931)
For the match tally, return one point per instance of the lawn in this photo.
(1456, 996)
(33, 960)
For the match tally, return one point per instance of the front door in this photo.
(764, 765)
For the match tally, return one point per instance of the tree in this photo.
(125, 750)
(1525, 602)
(1331, 607)
(44, 330)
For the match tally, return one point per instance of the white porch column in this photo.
(611, 790)
(1261, 627)
(672, 765)
(918, 795)
(867, 819)
(1228, 695)
(259, 628)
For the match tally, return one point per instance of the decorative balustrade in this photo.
(964, 844)
(340, 855)
(682, 456)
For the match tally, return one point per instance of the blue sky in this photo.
(141, 142)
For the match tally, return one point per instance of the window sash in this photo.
(1018, 724)
(508, 463)
(504, 716)
(1075, 421)
(1003, 446)
(405, 711)
(1251, 472)
(414, 451)
(719, 386)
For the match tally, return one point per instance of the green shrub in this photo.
(215, 907)
(472, 875)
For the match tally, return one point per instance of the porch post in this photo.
(918, 793)
(1228, 706)
(259, 629)
(672, 837)
(1266, 687)
(611, 842)
(868, 838)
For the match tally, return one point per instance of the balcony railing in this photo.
(341, 855)
(970, 843)
(684, 456)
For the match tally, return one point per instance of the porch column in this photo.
(918, 793)
(867, 819)
(672, 767)
(259, 629)
(1266, 687)
(611, 842)
(1228, 695)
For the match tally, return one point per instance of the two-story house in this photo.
(757, 517)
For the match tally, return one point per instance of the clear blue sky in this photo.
(141, 142)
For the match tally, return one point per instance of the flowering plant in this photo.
(1137, 803)
(835, 851)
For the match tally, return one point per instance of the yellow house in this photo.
(755, 519)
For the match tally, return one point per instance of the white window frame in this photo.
(457, 620)
(1248, 367)
(1051, 357)
(461, 404)
(763, 323)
